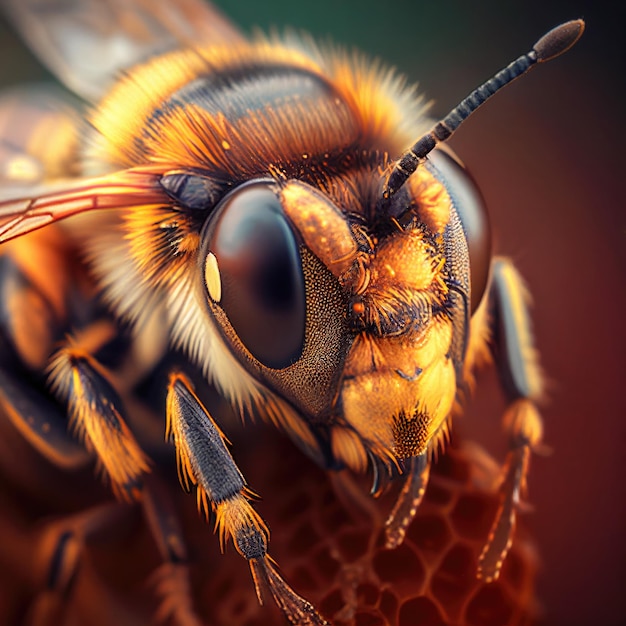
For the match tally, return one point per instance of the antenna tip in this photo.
(558, 40)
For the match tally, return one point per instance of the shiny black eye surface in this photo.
(472, 211)
(262, 284)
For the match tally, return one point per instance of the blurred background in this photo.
(548, 155)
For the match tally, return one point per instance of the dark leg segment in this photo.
(60, 550)
(95, 414)
(204, 461)
(418, 471)
(517, 360)
(29, 323)
(40, 422)
(172, 577)
(28, 320)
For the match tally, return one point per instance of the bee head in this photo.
(346, 313)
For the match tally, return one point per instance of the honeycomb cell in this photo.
(400, 568)
(420, 612)
(332, 603)
(430, 533)
(368, 594)
(368, 619)
(455, 579)
(388, 606)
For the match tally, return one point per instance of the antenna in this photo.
(551, 45)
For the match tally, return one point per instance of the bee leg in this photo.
(39, 421)
(409, 499)
(59, 551)
(28, 327)
(29, 321)
(204, 461)
(172, 578)
(520, 373)
(95, 414)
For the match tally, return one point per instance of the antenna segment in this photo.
(551, 45)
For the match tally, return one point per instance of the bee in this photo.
(262, 208)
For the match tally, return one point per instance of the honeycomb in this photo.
(326, 537)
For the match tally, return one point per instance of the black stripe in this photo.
(237, 90)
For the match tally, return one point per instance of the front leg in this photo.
(519, 369)
(204, 462)
(95, 411)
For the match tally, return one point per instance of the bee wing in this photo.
(52, 203)
(86, 43)
(39, 130)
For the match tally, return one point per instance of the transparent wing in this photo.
(52, 203)
(86, 43)
(39, 131)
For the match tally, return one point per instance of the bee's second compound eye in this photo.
(261, 284)
(472, 211)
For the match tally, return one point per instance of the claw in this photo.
(296, 609)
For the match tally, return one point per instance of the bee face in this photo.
(261, 207)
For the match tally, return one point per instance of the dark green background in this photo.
(548, 154)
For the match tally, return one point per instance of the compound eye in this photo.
(260, 270)
(472, 211)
